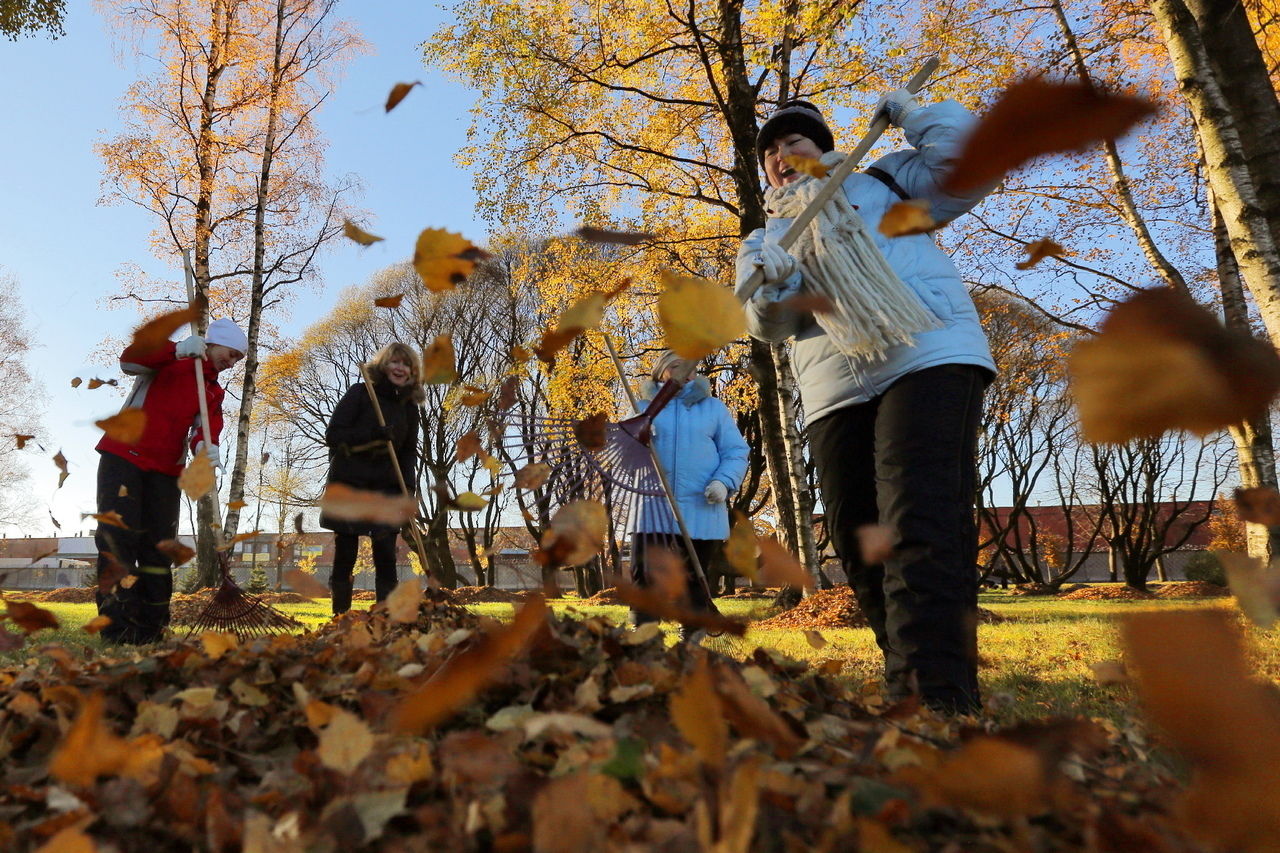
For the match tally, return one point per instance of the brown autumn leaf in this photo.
(154, 333)
(1038, 251)
(905, 218)
(341, 501)
(468, 445)
(810, 166)
(438, 362)
(814, 303)
(236, 504)
(876, 543)
(1198, 686)
(96, 383)
(473, 396)
(552, 341)
(752, 716)
(356, 233)
(1260, 505)
(1109, 672)
(666, 573)
(698, 316)
(75, 382)
(576, 534)
(402, 603)
(444, 260)
(507, 393)
(1161, 362)
(740, 549)
(196, 479)
(96, 624)
(398, 93)
(392, 301)
(620, 238)
(61, 462)
(986, 774)
(815, 639)
(1034, 117)
(464, 674)
(112, 573)
(110, 518)
(779, 567)
(22, 439)
(576, 812)
(125, 426)
(175, 551)
(698, 716)
(90, 749)
(305, 585)
(591, 431)
(649, 601)
(533, 475)
(297, 523)
(28, 617)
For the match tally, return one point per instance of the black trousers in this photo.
(704, 549)
(907, 460)
(148, 503)
(345, 548)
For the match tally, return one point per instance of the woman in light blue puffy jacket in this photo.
(892, 382)
(705, 458)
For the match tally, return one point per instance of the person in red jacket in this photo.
(139, 481)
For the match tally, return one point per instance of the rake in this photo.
(231, 609)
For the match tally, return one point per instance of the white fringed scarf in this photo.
(873, 308)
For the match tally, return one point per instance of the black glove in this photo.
(384, 432)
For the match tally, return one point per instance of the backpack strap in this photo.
(885, 178)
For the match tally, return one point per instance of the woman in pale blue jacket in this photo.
(705, 458)
(892, 382)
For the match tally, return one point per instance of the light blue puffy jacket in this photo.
(697, 441)
(830, 380)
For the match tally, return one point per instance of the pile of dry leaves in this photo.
(421, 726)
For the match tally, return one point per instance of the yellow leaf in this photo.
(358, 234)
(698, 715)
(96, 624)
(576, 534)
(90, 749)
(402, 603)
(907, 217)
(740, 549)
(197, 478)
(532, 475)
(125, 426)
(69, 840)
(468, 502)
(345, 742)
(444, 260)
(218, 643)
(406, 768)
(698, 316)
(438, 366)
(815, 639)
(810, 166)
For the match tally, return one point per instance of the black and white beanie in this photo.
(795, 117)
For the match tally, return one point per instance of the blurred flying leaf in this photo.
(698, 316)
(392, 301)
(444, 260)
(341, 501)
(907, 217)
(175, 551)
(125, 426)
(61, 462)
(154, 333)
(196, 480)
(28, 617)
(438, 365)
(358, 234)
(402, 603)
(810, 166)
(1038, 251)
(533, 475)
(698, 715)
(398, 93)
(576, 534)
(1260, 505)
(620, 238)
(779, 567)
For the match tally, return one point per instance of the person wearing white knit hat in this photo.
(138, 481)
(892, 379)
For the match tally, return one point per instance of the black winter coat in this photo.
(358, 453)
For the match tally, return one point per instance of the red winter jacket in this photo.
(166, 391)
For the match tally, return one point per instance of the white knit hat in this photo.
(665, 360)
(228, 334)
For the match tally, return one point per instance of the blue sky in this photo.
(63, 249)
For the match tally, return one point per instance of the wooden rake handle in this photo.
(835, 180)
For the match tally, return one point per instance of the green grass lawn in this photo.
(1036, 664)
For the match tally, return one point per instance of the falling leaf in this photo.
(473, 396)
(1161, 362)
(988, 775)
(359, 235)
(1255, 589)
(779, 567)
(468, 502)
(111, 518)
(552, 341)
(96, 624)
(1199, 688)
(98, 383)
(533, 475)
(69, 840)
(697, 714)
(125, 426)
(576, 534)
(343, 502)
(666, 573)
(75, 383)
(196, 479)
(154, 333)
(908, 217)
(90, 749)
(1038, 251)
(175, 551)
(815, 639)
(297, 523)
(110, 574)
(398, 93)
(61, 462)
(646, 600)
(876, 543)
(438, 364)
(345, 742)
(519, 355)
(402, 603)
(1035, 117)
(28, 617)
(22, 440)
(444, 260)
(236, 504)
(389, 301)
(507, 393)
(305, 584)
(740, 548)
(620, 238)
(218, 643)
(1109, 672)
(122, 492)
(468, 445)
(698, 316)
(463, 675)
(1260, 505)
(810, 166)
(406, 768)
(128, 581)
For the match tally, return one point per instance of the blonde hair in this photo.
(396, 351)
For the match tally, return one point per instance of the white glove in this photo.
(192, 347)
(776, 262)
(214, 456)
(896, 105)
(716, 492)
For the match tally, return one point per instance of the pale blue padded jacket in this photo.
(830, 380)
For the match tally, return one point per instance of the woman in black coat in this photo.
(358, 458)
